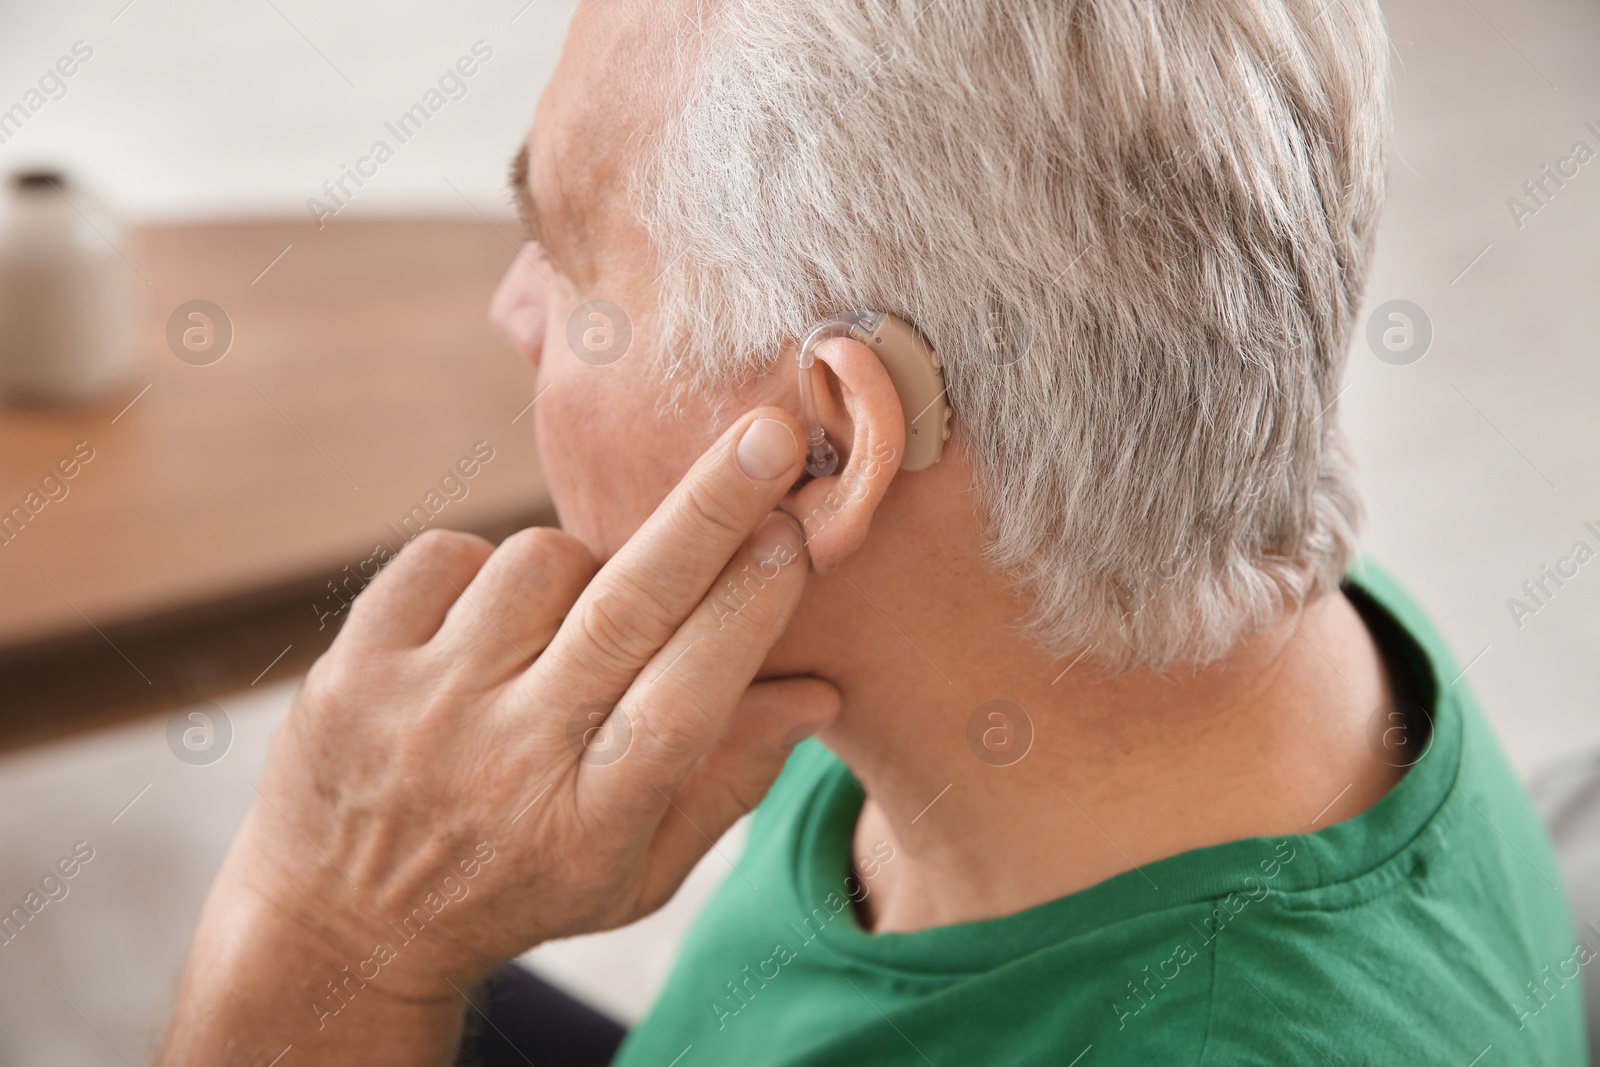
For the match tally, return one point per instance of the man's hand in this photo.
(501, 747)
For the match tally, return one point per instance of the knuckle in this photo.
(327, 676)
(676, 737)
(673, 721)
(715, 505)
(335, 679)
(447, 548)
(532, 543)
(621, 628)
(549, 551)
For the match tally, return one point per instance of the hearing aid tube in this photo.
(821, 459)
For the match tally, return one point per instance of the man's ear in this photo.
(861, 413)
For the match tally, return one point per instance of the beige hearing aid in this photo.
(913, 367)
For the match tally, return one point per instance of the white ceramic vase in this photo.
(68, 329)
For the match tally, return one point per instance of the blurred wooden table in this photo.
(192, 555)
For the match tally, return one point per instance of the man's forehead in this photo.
(619, 67)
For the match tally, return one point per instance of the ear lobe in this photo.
(861, 413)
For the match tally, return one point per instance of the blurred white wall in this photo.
(1481, 461)
(190, 109)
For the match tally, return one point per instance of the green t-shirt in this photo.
(1427, 930)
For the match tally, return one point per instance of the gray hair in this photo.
(1136, 230)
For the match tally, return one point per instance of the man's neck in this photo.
(1122, 770)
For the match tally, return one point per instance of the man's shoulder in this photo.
(1443, 927)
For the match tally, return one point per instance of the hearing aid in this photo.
(913, 367)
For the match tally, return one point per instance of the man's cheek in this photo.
(576, 457)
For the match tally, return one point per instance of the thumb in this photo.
(733, 776)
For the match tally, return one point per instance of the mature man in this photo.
(1121, 757)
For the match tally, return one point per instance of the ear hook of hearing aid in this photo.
(821, 459)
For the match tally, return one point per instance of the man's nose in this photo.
(517, 309)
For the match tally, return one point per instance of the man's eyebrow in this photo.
(527, 208)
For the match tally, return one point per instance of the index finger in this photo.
(644, 592)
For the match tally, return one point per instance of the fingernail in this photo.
(767, 449)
